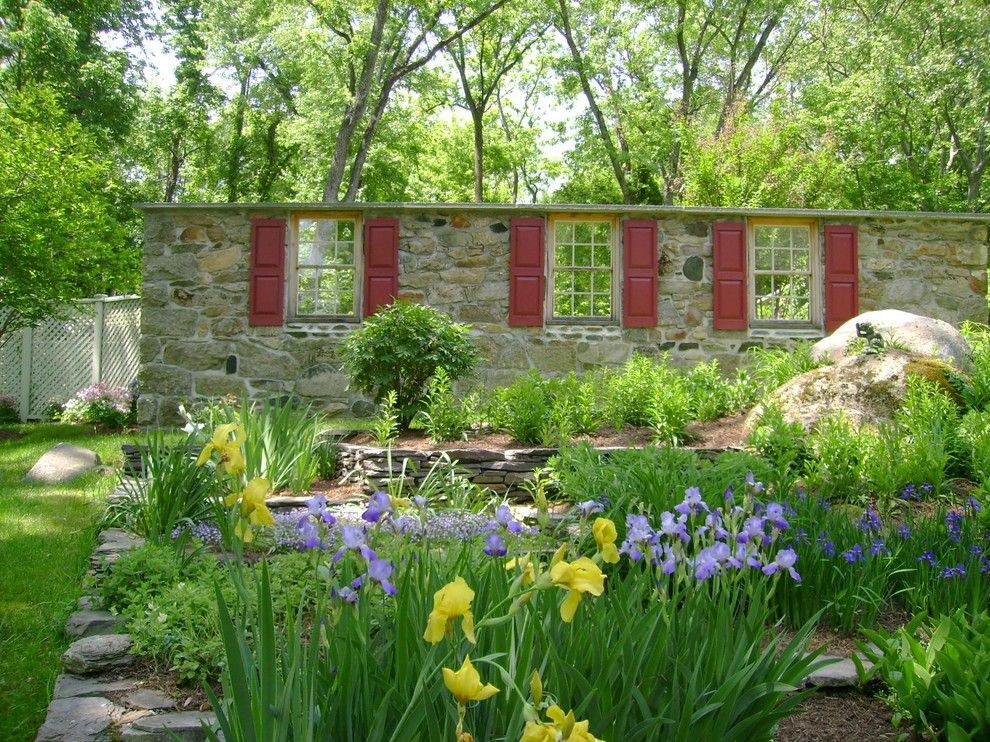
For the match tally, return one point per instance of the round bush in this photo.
(401, 347)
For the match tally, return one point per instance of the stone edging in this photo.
(99, 696)
(501, 471)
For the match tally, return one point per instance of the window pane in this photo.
(345, 230)
(582, 305)
(781, 260)
(582, 255)
(582, 233)
(603, 233)
(764, 259)
(603, 305)
(562, 282)
(582, 281)
(799, 259)
(307, 230)
(562, 305)
(800, 237)
(602, 282)
(345, 253)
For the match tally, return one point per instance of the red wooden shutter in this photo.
(527, 257)
(639, 273)
(729, 276)
(841, 274)
(381, 263)
(266, 292)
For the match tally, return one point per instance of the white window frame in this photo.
(293, 267)
(616, 283)
(815, 279)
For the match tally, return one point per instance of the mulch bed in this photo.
(9, 435)
(838, 716)
(722, 433)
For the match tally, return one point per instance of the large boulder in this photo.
(911, 332)
(867, 388)
(62, 463)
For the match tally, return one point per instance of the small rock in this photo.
(78, 719)
(61, 463)
(72, 686)
(88, 603)
(182, 725)
(95, 654)
(148, 698)
(115, 534)
(91, 623)
(840, 674)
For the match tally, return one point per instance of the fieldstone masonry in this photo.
(196, 341)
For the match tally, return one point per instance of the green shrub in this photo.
(444, 416)
(385, 427)
(938, 671)
(782, 444)
(669, 410)
(974, 440)
(522, 409)
(929, 422)
(9, 410)
(173, 490)
(629, 391)
(140, 574)
(833, 469)
(772, 367)
(400, 349)
(974, 387)
(280, 442)
(882, 450)
(712, 395)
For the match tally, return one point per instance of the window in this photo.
(326, 269)
(784, 274)
(582, 267)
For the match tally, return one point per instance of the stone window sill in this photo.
(786, 329)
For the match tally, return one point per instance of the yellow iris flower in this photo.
(526, 565)
(536, 731)
(605, 536)
(254, 511)
(231, 457)
(449, 602)
(536, 687)
(572, 730)
(580, 576)
(466, 685)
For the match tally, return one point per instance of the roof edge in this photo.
(418, 207)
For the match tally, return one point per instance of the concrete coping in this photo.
(502, 208)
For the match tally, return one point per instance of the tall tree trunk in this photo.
(477, 119)
(356, 109)
(237, 140)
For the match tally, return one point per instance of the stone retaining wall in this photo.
(502, 472)
(196, 341)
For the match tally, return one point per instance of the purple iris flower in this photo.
(380, 570)
(692, 502)
(715, 523)
(357, 583)
(353, 540)
(670, 526)
(752, 484)
(378, 505)
(420, 501)
(954, 523)
(870, 521)
(828, 548)
(503, 516)
(638, 527)
(775, 515)
(664, 558)
(973, 504)
(909, 493)
(855, 554)
(929, 557)
(879, 548)
(784, 561)
(754, 529)
(589, 508)
(348, 595)
(904, 531)
(927, 488)
(949, 572)
(631, 549)
(495, 546)
(310, 535)
(729, 496)
(709, 561)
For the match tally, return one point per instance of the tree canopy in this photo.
(874, 104)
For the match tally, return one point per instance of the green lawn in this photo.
(46, 536)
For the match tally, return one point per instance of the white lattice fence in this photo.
(97, 342)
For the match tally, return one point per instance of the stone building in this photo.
(255, 299)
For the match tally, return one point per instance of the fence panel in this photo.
(98, 341)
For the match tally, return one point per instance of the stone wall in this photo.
(196, 341)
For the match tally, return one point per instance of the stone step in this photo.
(79, 719)
(178, 725)
(96, 654)
(91, 623)
(74, 686)
(840, 673)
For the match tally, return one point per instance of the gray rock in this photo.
(95, 654)
(912, 332)
(184, 725)
(108, 535)
(867, 389)
(91, 623)
(72, 686)
(840, 674)
(148, 698)
(82, 719)
(88, 603)
(61, 463)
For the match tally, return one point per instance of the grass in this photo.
(47, 533)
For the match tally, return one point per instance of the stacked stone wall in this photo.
(196, 341)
